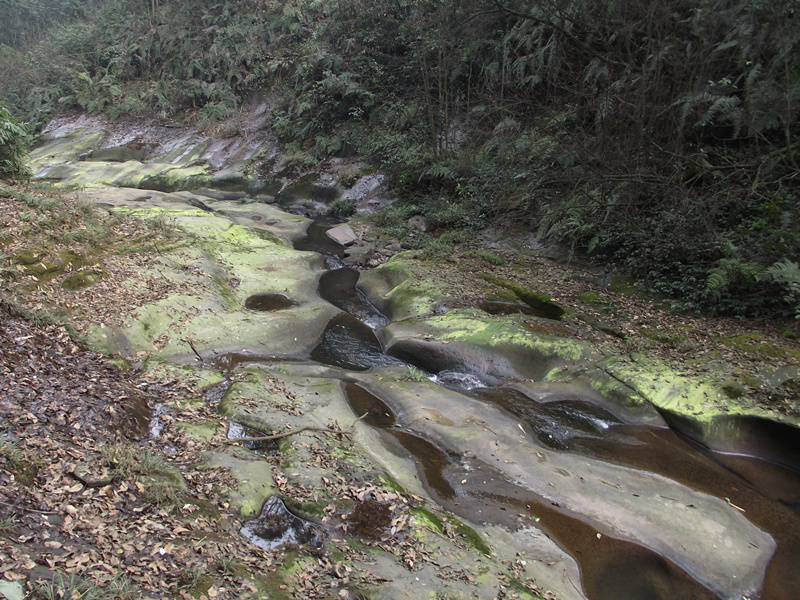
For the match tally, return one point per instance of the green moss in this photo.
(538, 302)
(28, 256)
(756, 344)
(43, 270)
(82, 280)
(509, 333)
(733, 389)
(123, 153)
(203, 432)
(201, 585)
(122, 364)
(224, 290)
(472, 538)
(427, 518)
(304, 508)
(625, 286)
(593, 299)
(390, 482)
(519, 587)
(659, 336)
(434, 523)
(490, 257)
(268, 236)
(174, 179)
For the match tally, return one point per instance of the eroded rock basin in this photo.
(672, 484)
(611, 501)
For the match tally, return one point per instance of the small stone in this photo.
(91, 476)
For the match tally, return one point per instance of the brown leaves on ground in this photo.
(47, 237)
(60, 408)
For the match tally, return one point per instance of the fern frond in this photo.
(725, 107)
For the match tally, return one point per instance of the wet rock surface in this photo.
(269, 302)
(275, 526)
(447, 485)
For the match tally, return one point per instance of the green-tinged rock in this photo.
(123, 153)
(539, 302)
(177, 178)
(398, 290)
(183, 152)
(500, 346)
(192, 375)
(28, 256)
(81, 280)
(757, 345)
(232, 178)
(618, 501)
(12, 590)
(254, 483)
(201, 431)
(62, 150)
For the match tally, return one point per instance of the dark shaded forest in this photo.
(657, 137)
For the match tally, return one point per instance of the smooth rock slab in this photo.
(342, 234)
(704, 535)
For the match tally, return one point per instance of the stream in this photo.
(628, 504)
(611, 568)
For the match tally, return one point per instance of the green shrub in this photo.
(490, 257)
(342, 207)
(13, 146)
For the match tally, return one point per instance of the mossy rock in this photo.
(733, 389)
(434, 523)
(122, 153)
(203, 432)
(538, 302)
(66, 257)
(657, 336)
(81, 280)
(593, 299)
(757, 345)
(623, 285)
(41, 269)
(28, 256)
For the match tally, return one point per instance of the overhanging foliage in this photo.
(660, 136)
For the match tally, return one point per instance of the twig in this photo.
(33, 510)
(278, 436)
(196, 353)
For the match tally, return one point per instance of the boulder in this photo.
(342, 234)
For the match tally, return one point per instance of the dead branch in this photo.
(47, 512)
(278, 436)
(196, 353)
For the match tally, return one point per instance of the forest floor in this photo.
(83, 490)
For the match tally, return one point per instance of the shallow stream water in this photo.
(611, 569)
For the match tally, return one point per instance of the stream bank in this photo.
(576, 502)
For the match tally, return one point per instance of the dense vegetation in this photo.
(659, 136)
(13, 146)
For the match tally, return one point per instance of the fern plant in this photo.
(13, 146)
(786, 275)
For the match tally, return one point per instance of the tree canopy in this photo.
(660, 136)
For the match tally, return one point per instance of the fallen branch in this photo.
(278, 436)
(33, 510)
(196, 353)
